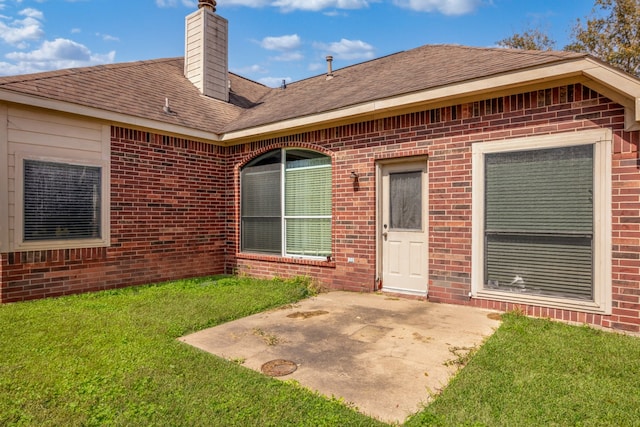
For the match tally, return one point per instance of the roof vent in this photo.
(329, 67)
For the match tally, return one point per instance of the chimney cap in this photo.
(207, 4)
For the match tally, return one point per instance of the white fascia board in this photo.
(109, 116)
(438, 94)
(622, 89)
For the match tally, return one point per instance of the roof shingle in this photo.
(139, 88)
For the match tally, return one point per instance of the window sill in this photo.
(529, 299)
(60, 244)
(286, 260)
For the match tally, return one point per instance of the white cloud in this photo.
(288, 45)
(8, 69)
(289, 5)
(248, 3)
(347, 49)
(446, 7)
(108, 37)
(21, 31)
(251, 69)
(56, 54)
(289, 56)
(32, 13)
(173, 3)
(334, 13)
(274, 81)
(289, 42)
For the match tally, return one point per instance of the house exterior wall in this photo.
(167, 222)
(446, 135)
(37, 134)
(175, 204)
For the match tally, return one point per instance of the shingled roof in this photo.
(405, 72)
(139, 89)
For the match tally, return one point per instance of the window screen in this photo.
(308, 206)
(261, 209)
(286, 204)
(539, 221)
(61, 201)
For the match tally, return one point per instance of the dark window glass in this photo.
(539, 222)
(61, 201)
(286, 204)
(405, 194)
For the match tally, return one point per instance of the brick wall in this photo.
(445, 135)
(175, 204)
(626, 232)
(168, 200)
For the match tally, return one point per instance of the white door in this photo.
(404, 228)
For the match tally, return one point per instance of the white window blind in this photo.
(308, 207)
(286, 204)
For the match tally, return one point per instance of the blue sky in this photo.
(270, 40)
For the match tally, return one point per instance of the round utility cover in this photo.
(279, 368)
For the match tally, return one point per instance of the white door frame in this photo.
(379, 215)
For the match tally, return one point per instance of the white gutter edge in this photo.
(490, 84)
(71, 108)
(618, 86)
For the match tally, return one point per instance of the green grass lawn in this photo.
(112, 358)
(534, 372)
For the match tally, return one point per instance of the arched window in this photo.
(286, 204)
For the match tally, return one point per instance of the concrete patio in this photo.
(384, 355)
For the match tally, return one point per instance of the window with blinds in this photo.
(61, 201)
(261, 209)
(286, 204)
(539, 216)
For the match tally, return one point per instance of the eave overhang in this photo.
(614, 84)
(108, 116)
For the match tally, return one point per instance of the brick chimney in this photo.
(206, 51)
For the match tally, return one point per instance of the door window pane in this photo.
(405, 196)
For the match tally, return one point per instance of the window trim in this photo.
(283, 217)
(602, 292)
(105, 219)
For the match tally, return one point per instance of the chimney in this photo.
(206, 51)
(329, 67)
